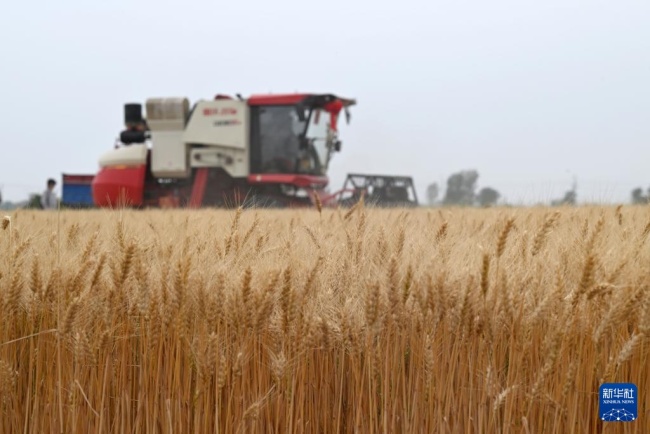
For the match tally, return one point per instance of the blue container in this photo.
(77, 191)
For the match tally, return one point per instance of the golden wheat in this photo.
(317, 321)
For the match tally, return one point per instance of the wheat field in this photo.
(340, 321)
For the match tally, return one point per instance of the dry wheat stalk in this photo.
(337, 327)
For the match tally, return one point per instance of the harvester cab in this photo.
(267, 150)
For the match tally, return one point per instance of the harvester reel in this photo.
(380, 190)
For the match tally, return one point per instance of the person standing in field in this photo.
(48, 199)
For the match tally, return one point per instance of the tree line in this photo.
(638, 196)
(462, 191)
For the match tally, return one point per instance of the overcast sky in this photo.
(530, 94)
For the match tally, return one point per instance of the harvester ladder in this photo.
(198, 188)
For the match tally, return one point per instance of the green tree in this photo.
(488, 197)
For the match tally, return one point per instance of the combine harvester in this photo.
(265, 151)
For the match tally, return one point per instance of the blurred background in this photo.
(545, 101)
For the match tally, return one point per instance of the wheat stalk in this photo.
(384, 321)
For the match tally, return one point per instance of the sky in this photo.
(532, 95)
